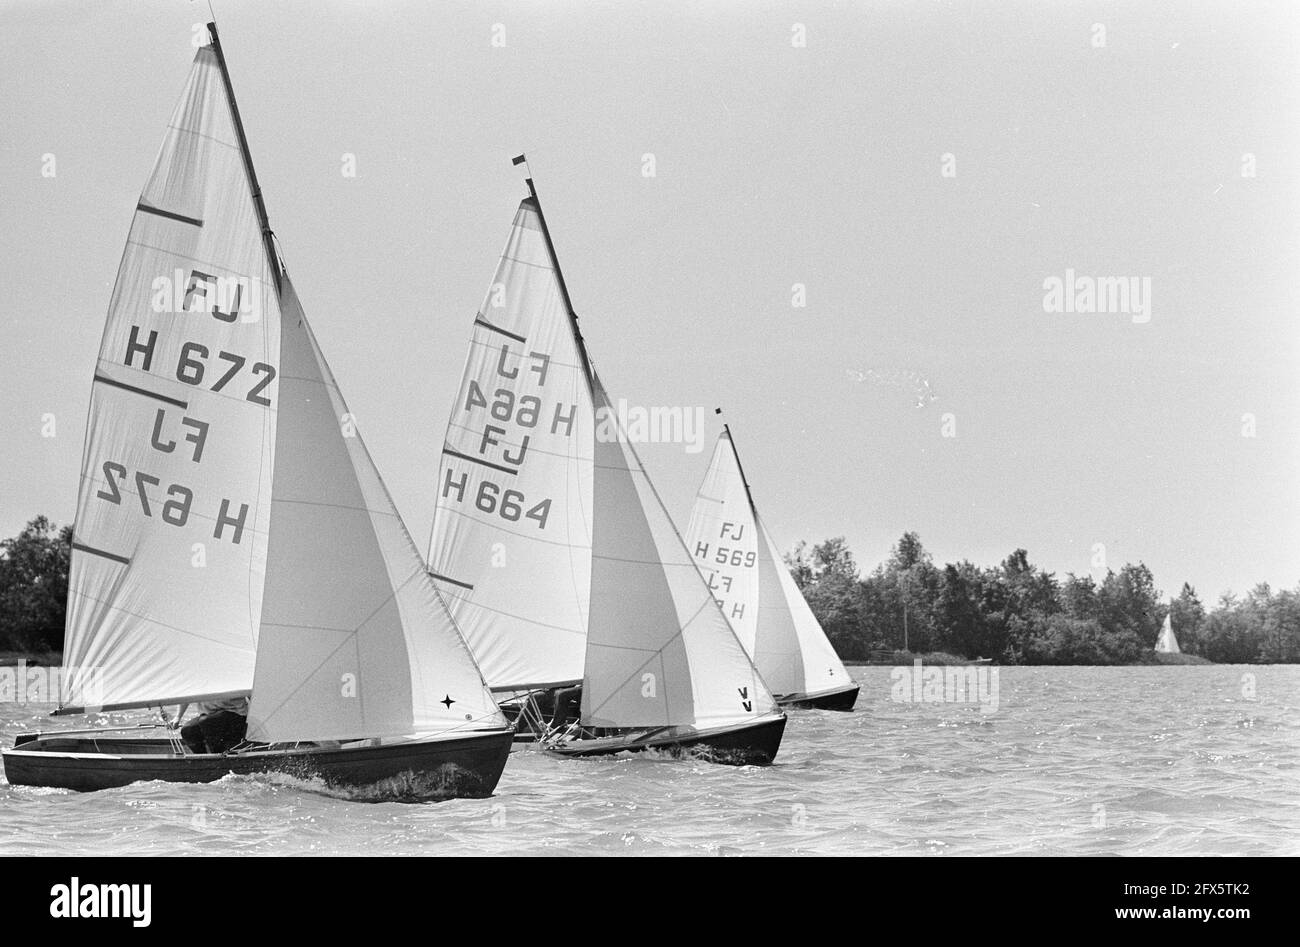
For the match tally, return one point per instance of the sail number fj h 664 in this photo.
(505, 435)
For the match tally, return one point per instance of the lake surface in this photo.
(1184, 760)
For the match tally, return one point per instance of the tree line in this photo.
(1016, 613)
(1013, 612)
(34, 587)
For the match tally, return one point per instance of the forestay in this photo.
(511, 541)
(170, 537)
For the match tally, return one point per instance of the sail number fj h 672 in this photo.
(174, 502)
(175, 509)
(192, 365)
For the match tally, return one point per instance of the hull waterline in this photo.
(749, 744)
(445, 767)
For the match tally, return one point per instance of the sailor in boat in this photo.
(220, 726)
(568, 706)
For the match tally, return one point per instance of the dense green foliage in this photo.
(1019, 614)
(34, 587)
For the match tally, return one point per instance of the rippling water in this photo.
(1075, 761)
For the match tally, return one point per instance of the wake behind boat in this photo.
(556, 555)
(233, 536)
(756, 592)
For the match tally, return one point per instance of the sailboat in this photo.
(233, 537)
(557, 558)
(1167, 643)
(734, 550)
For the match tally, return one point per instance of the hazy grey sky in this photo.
(775, 164)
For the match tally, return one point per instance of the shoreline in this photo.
(942, 659)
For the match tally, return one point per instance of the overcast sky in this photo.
(1117, 152)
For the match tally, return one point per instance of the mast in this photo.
(268, 237)
(559, 274)
(739, 466)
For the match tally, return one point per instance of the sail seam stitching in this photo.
(150, 618)
(350, 636)
(192, 259)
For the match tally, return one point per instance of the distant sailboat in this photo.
(1167, 643)
(233, 536)
(556, 555)
(754, 588)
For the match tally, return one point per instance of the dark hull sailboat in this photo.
(840, 699)
(461, 766)
(747, 744)
(600, 589)
(313, 603)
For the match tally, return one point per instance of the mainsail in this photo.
(511, 542)
(745, 570)
(355, 640)
(1167, 643)
(169, 544)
